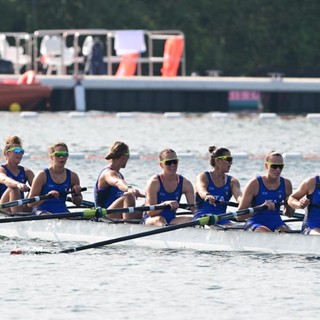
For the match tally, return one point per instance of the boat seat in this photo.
(55, 55)
(128, 65)
(14, 54)
(87, 45)
(173, 50)
(86, 51)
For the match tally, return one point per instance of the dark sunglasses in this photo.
(227, 158)
(59, 154)
(276, 165)
(169, 162)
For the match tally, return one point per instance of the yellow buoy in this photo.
(15, 107)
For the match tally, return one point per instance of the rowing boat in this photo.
(205, 239)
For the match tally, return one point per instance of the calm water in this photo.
(119, 282)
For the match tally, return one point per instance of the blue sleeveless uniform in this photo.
(312, 216)
(104, 197)
(223, 193)
(268, 218)
(21, 177)
(54, 205)
(163, 195)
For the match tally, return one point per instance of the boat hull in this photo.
(28, 96)
(206, 239)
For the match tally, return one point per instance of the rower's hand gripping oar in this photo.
(20, 202)
(206, 220)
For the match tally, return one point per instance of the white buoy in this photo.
(125, 115)
(76, 155)
(80, 96)
(220, 115)
(28, 114)
(76, 114)
(240, 155)
(172, 115)
(134, 155)
(313, 116)
(186, 155)
(268, 115)
(292, 155)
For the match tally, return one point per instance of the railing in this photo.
(17, 48)
(66, 51)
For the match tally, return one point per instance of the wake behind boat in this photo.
(204, 239)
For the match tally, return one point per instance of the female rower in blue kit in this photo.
(307, 197)
(111, 190)
(167, 188)
(14, 178)
(270, 189)
(214, 188)
(56, 180)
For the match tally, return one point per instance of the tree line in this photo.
(235, 37)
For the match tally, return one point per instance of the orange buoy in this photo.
(128, 65)
(173, 50)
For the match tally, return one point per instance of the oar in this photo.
(297, 215)
(20, 202)
(206, 220)
(84, 203)
(228, 203)
(88, 213)
(235, 204)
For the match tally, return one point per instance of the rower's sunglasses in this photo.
(276, 165)
(16, 150)
(59, 154)
(127, 154)
(169, 162)
(227, 158)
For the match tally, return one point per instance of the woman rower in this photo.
(307, 197)
(214, 188)
(56, 180)
(167, 188)
(111, 189)
(269, 189)
(14, 178)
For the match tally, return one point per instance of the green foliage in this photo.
(238, 37)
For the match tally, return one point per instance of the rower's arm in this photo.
(298, 199)
(152, 189)
(7, 181)
(236, 189)
(76, 194)
(288, 211)
(36, 187)
(112, 179)
(188, 190)
(249, 193)
(201, 186)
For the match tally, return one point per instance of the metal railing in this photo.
(67, 56)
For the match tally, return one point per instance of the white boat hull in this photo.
(188, 238)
